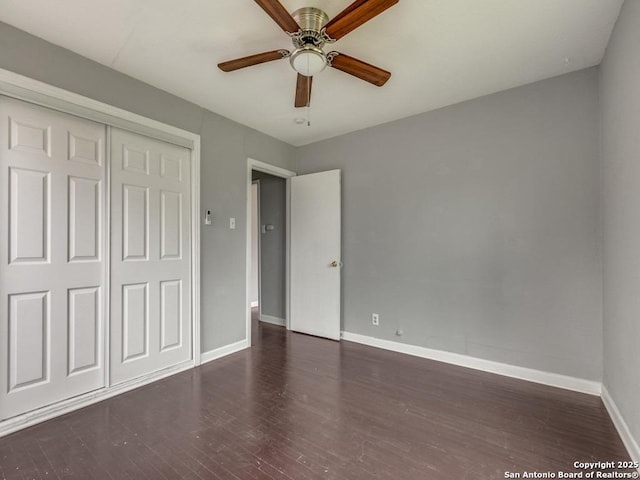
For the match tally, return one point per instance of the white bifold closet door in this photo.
(150, 256)
(51, 256)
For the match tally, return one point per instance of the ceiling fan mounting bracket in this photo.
(326, 37)
(330, 56)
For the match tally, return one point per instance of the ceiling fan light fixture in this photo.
(308, 60)
(309, 30)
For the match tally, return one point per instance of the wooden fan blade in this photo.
(303, 91)
(359, 12)
(256, 59)
(279, 14)
(358, 68)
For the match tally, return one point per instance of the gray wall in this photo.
(225, 148)
(476, 228)
(273, 244)
(620, 107)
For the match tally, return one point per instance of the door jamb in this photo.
(259, 166)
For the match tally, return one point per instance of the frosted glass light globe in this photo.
(308, 60)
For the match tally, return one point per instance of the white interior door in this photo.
(150, 255)
(315, 254)
(51, 256)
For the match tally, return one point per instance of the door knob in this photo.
(335, 264)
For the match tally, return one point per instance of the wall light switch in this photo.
(208, 218)
(232, 223)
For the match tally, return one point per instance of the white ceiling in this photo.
(440, 52)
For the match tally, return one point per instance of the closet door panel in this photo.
(51, 256)
(85, 232)
(84, 329)
(29, 325)
(150, 256)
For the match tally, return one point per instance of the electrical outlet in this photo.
(375, 319)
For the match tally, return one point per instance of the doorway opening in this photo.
(312, 257)
(255, 247)
(267, 245)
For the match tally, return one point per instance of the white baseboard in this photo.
(224, 351)
(623, 429)
(274, 320)
(25, 420)
(523, 373)
(254, 304)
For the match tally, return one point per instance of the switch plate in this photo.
(232, 223)
(208, 218)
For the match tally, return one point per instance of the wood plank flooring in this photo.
(295, 407)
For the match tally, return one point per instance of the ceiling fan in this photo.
(310, 29)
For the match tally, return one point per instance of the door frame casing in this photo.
(33, 91)
(263, 167)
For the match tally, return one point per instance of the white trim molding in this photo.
(268, 168)
(33, 91)
(28, 419)
(196, 349)
(623, 429)
(522, 373)
(211, 355)
(273, 320)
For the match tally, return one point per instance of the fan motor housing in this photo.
(312, 21)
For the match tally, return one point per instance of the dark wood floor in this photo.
(298, 407)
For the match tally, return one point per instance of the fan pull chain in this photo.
(309, 103)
